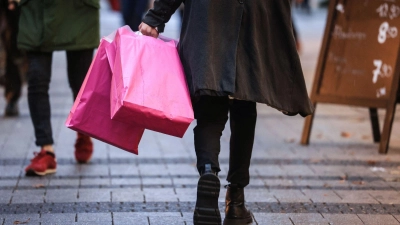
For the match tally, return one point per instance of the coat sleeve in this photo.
(161, 13)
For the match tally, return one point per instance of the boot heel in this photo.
(207, 211)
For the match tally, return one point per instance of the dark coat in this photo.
(59, 25)
(242, 48)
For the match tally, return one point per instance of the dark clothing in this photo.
(47, 26)
(245, 49)
(13, 79)
(39, 75)
(132, 12)
(212, 113)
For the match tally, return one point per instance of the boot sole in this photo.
(36, 173)
(245, 221)
(207, 211)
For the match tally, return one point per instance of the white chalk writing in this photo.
(386, 31)
(338, 33)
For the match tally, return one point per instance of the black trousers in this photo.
(132, 12)
(13, 79)
(212, 114)
(39, 75)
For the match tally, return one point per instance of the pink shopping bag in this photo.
(90, 113)
(148, 84)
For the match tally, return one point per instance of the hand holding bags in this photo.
(90, 113)
(148, 84)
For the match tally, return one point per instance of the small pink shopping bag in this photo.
(148, 84)
(90, 113)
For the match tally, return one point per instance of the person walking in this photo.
(44, 27)
(132, 12)
(9, 14)
(234, 54)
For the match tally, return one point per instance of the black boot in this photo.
(208, 187)
(11, 109)
(235, 211)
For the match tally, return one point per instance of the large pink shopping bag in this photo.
(148, 84)
(90, 113)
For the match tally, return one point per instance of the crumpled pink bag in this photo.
(148, 85)
(90, 113)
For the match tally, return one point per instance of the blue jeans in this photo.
(39, 75)
(132, 12)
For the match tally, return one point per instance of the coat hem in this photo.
(209, 92)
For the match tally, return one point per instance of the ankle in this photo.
(48, 148)
(207, 169)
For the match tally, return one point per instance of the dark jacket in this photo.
(49, 25)
(242, 48)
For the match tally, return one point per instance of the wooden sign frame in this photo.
(316, 97)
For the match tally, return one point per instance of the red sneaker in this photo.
(43, 163)
(83, 148)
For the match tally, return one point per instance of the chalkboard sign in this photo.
(359, 60)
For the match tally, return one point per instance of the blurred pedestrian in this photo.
(234, 54)
(133, 11)
(9, 14)
(44, 27)
(305, 5)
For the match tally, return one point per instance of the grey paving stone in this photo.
(272, 218)
(308, 218)
(130, 218)
(10, 171)
(157, 170)
(124, 181)
(5, 196)
(95, 181)
(68, 170)
(94, 195)
(185, 181)
(356, 197)
(183, 169)
(94, 217)
(378, 219)
(124, 169)
(270, 170)
(57, 218)
(28, 196)
(64, 195)
(297, 170)
(157, 181)
(322, 196)
(64, 182)
(92, 223)
(8, 183)
(166, 218)
(13, 219)
(93, 170)
(290, 196)
(160, 195)
(259, 195)
(386, 197)
(186, 191)
(278, 182)
(127, 195)
(161, 220)
(339, 219)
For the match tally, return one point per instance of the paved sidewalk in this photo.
(339, 179)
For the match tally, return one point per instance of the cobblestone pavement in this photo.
(339, 179)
